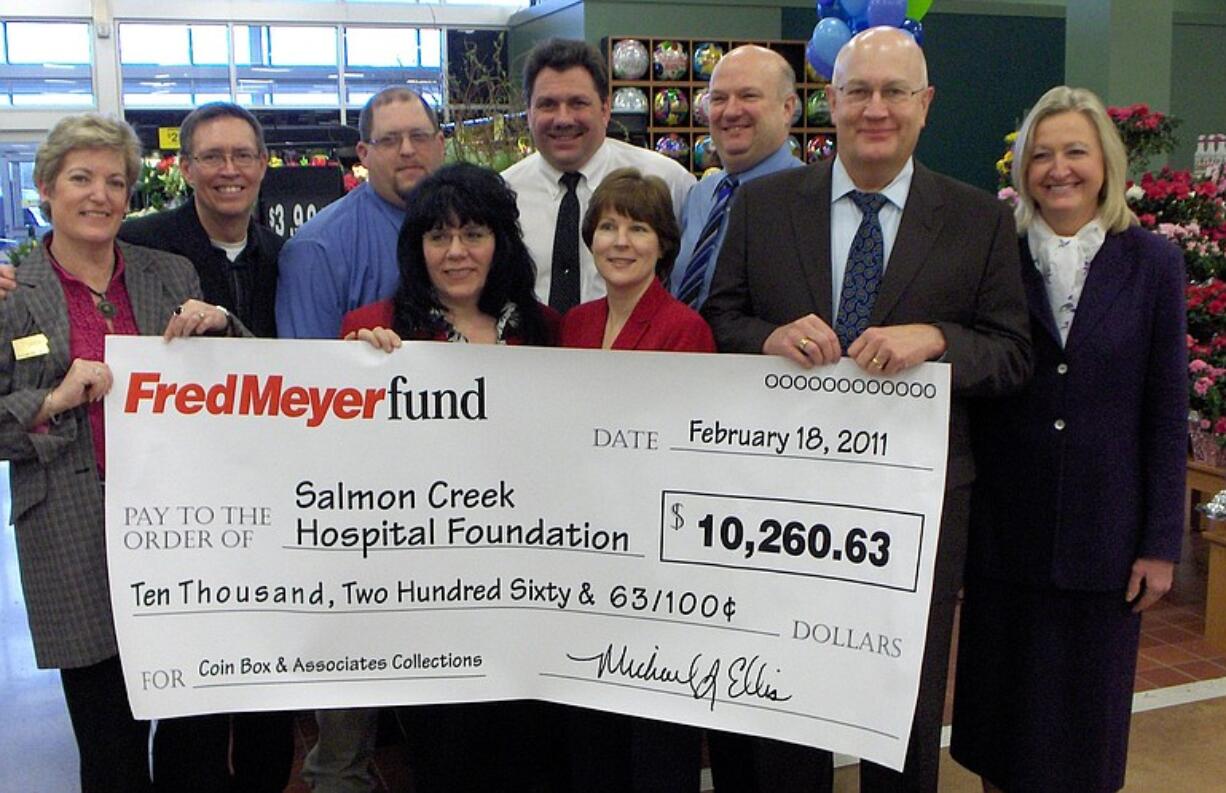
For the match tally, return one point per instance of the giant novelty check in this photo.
(726, 541)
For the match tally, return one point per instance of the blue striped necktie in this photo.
(704, 249)
(862, 278)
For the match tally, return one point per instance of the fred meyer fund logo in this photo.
(271, 396)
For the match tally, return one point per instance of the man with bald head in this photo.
(874, 257)
(753, 96)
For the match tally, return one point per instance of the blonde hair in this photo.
(1112, 204)
(86, 131)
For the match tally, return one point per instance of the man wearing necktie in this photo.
(567, 91)
(873, 256)
(753, 96)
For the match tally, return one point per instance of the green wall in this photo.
(1198, 85)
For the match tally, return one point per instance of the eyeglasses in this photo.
(470, 236)
(860, 94)
(212, 160)
(394, 140)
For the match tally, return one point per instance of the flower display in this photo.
(1145, 132)
(1190, 212)
(160, 184)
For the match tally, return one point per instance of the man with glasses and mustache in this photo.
(345, 256)
(873, 256)
(223, 159)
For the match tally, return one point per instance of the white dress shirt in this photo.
(536, 184)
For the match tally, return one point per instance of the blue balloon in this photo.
(833, 10)
(815, 60)
(828, 38)
(824, 4)
(858, 24)
(915, 28)
(890, 13)
(854, 8)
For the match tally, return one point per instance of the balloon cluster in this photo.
(839, 20)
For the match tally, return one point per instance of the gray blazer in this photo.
(57, 496)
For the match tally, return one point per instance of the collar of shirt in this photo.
(845, 219)
(780, 159)
(896, 191)
(593, 172)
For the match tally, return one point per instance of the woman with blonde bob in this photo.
(78, 287)
(1077, 513)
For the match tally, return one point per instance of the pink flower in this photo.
(1147, 219)
(1196, 366)
(1007, 194)
(1204, 424)
(1220, 427)
(1202, 386)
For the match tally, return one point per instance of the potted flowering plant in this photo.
(160, 184)
(1146, 133)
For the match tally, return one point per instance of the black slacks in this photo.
(113, 746)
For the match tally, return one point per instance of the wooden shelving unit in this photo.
(648, 130)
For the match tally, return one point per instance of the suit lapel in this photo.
(144, 289)
(47, 305)
(639, 321)
(1109, 271)
(921, 222)
(1036, 294)
(812, 234)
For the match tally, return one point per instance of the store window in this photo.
(168, 66)
(379, 57)
(34, 75)
(286, 66)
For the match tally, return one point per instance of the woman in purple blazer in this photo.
(1077, 513)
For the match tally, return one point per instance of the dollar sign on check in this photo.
(678, 520)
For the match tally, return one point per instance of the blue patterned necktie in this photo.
(862, 277)
(704, 249)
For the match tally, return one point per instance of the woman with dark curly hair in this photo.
(465, 273)
(465, 276)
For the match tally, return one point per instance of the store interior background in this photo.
(989, 60)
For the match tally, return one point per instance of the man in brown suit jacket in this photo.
(950, 291)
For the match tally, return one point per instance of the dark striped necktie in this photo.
(705, 248)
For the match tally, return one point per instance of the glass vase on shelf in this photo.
(1204, 445)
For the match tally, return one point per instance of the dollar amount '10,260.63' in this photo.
(795, 538)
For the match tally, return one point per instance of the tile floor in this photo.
(1175, 749)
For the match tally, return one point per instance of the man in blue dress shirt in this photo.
(753, 97)
(345, 256)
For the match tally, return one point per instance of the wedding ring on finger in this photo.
(803, 343)
(880, 364)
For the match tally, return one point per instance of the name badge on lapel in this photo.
(31, 346)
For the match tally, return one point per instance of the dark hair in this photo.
(212, 110)
(396, 93)
(642, 198)
(563, 54)
(457, 194)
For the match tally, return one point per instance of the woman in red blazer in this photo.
(1077, 512)
(630, 228)
(633, 235)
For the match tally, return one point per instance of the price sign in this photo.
(289, 197)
